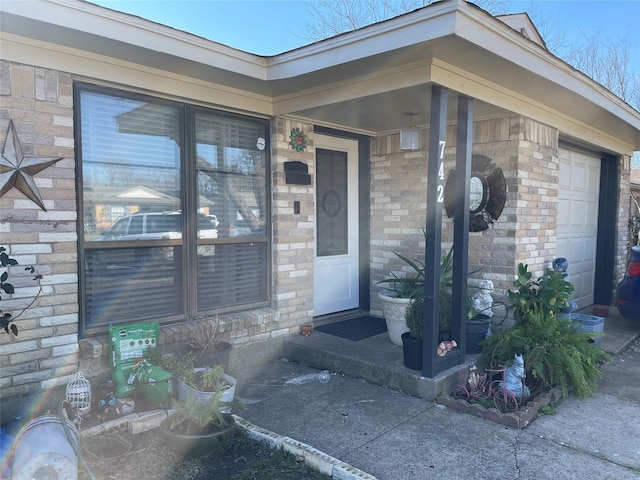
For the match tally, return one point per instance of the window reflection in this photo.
(231, 177)
(130, 163)
(138, 217)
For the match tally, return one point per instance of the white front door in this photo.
(336, 275)
(578, 191)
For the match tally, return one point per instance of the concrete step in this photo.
(374, 359)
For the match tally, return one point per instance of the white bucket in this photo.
(43, 451)
(184, 391)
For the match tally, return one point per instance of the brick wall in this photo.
(536, 188)
(525, 232)
(293, 234)
(45, 353)
(624, 213)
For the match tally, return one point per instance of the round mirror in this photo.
(477, 194)
(487, 193)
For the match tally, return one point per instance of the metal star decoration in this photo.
(16, 170)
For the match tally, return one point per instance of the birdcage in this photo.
(79, 393)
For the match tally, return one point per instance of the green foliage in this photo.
(412, 286)
(6, 318)
(204, 379)
(414, 317)
(182, 367)
(554, 351)
(404, 287)
(550, 293)
(415, 314)
(193, 416)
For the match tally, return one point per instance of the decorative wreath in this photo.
(494, 193)
(298, 140)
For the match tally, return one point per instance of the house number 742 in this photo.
(441, 172)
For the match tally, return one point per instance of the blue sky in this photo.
(268, 27)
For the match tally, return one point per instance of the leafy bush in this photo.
(414, 317)
(555, 353)
(550, 293)
(415, 314)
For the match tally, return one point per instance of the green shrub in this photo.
(554, 352)
(550, 293)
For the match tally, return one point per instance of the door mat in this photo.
(355, 329)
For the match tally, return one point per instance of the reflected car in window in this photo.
(157, 226)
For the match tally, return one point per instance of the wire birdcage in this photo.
(79, 393)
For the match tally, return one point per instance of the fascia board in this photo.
(109, 71)
(503, 41)
(76, 19)
(417, 73)
(386, 37)
(494, 94)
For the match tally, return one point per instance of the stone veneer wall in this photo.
(526, 151)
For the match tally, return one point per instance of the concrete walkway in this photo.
(395, 436)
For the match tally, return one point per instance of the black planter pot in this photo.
(412, 351)
(444, 336)
(477, 328)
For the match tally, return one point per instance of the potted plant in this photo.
(203, 383)
(555, 353)
(401, 292)
(412, 340)
(198, 383)
(395, 302)
(199, 428)
(478, 326)
(479, 316)
(551, 292)
(208, 349)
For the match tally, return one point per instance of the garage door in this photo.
(578, 220)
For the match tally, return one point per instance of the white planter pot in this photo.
(184, 391)
(394, 312)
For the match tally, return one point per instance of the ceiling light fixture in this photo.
(410, 136)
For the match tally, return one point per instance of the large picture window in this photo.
(174, 208)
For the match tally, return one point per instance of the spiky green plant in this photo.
(193, 416)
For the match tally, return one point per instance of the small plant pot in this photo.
(412, 351)
(477, 328)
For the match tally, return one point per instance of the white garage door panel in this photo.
(578, 190)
